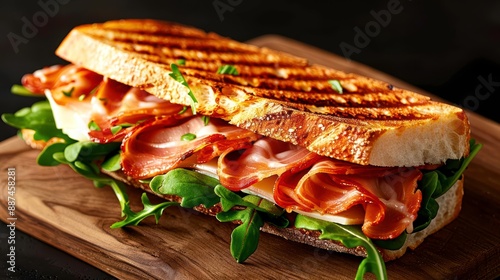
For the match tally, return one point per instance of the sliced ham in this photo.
(389, 196)
(155, 147)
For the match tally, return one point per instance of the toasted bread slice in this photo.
(275, 94)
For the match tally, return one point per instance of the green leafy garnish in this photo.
(82, 158)
(68, 93)
(188, 137)
(227, 69)
(134, 218)
(81, 97)
(115, 129)
(94, 126)
(45, 158)
(89, 151)
(181, 62)
(205, 119)
(194, 188)
(392, 244)
(22, 91)
(177, 75)
(38, 118)
(350, 236)
(245, 237)
(437, 182)
(336, 85)
(183, 110)
(113, 163)
(230, 199)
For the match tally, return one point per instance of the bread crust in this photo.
(370, 123)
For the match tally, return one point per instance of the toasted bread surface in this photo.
(275, 94)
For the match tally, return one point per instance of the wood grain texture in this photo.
(55, 205)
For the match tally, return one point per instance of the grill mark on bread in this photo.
(148, 26)
(366, 113)
(175, 41)
(308, 87)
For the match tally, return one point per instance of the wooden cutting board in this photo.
(58, 207)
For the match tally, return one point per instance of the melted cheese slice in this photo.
(72, 120)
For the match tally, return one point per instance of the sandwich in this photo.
(252, 136)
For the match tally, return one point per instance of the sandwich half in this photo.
(252, 136)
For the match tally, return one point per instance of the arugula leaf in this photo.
(45, 158)
(22, 91)
(350, 236)
(181, 62)
(194, 188)
(91, 171)
(38, 118)
(455, 168)
(230, 199)
(183, 110)
(227, 69)
(437, 182)
(245, 237)
(177, 75)
(118, 188)
(429, 207)
(68, 93)
(134, 218)
(93, 126)
(392, 244)
(336, 85)
(205, 119)
(188, 137)
(87, 150)
(113, 163)
(115, 129)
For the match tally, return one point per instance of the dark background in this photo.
(445, 47)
